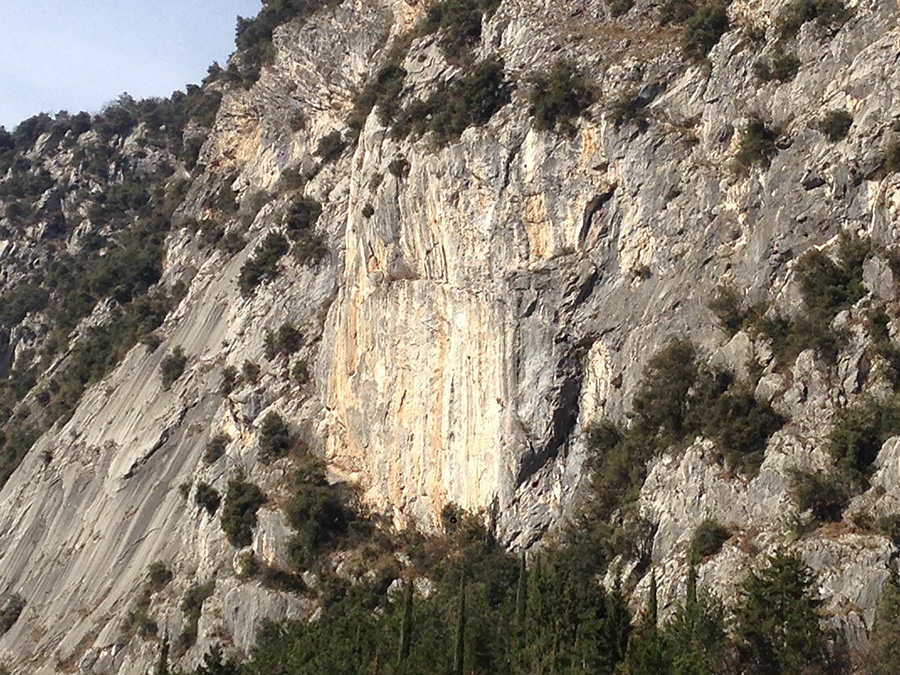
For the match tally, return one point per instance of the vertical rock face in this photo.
(481, 303)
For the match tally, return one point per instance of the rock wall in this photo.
(504, 292)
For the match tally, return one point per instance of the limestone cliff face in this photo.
(474, 313)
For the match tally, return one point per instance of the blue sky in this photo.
(80, 54)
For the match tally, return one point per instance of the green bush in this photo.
(727, 305)
(300, 372)
(859, 432)
(250, 372)
(302, 217)
(703, 29)
(782, 67)
(242, 501)
(215, 448)
(757, 144)
(10, 611)
(263, 264)
(459, 23)
(708, 539)
(559, 97)
(192, 607)
(823, 12)
(892, 157)
(173, 366)
(316, 513)
(381, 93)
(229, 380)
(676, 400)
(331, 146)
(285, 342)
(138, 620)
(274, 438)
(630, 107)
(399, 167)
(884, 657)
(836, 125)
(824, 495)
(619, 7)
(20, 301)
(470, 100)
(777, 625)
(206, 497)
(158, 577)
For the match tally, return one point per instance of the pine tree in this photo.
(778, 622)
(521, 605)
(406, 625)
(459, 646)
(884, 648)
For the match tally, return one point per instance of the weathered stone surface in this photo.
(503, 295)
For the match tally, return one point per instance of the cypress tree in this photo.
(406, 625)
(884, 655)
(521, 604)
(653, 603)
(691, 585)
(460, 645)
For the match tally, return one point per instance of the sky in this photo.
(81, 54)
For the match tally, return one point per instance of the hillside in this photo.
(538, 269)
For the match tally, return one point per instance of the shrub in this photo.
(302, 217)
(274, 438)
(331, 146)
(781, 67)
(250, 372)
(229, 380)
(215, 448)
(824, 495)
(630, 107)
(284, 342)
(399, 166)
(559, 97)
(10, 611)
(381, 93)
(192, 606)
(726, 304)
(777, 624)
(884, 657)
(242, 501)
(708, 539)
(619, 7)
(138, 620)
(858, 434)
(703, 30)
(173, 366)
(828, 287)
(309, 248)
(158, 577)
(206, 497)
(300, 373)
(740, 424)
(20, 301)
(459, 22)
(315, 512)
(263, 264)
(892, 157)
(757, 144)
(368, 211)
(470, 100)
(836, 125)
(823, 12)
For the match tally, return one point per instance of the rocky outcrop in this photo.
(474, 314)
